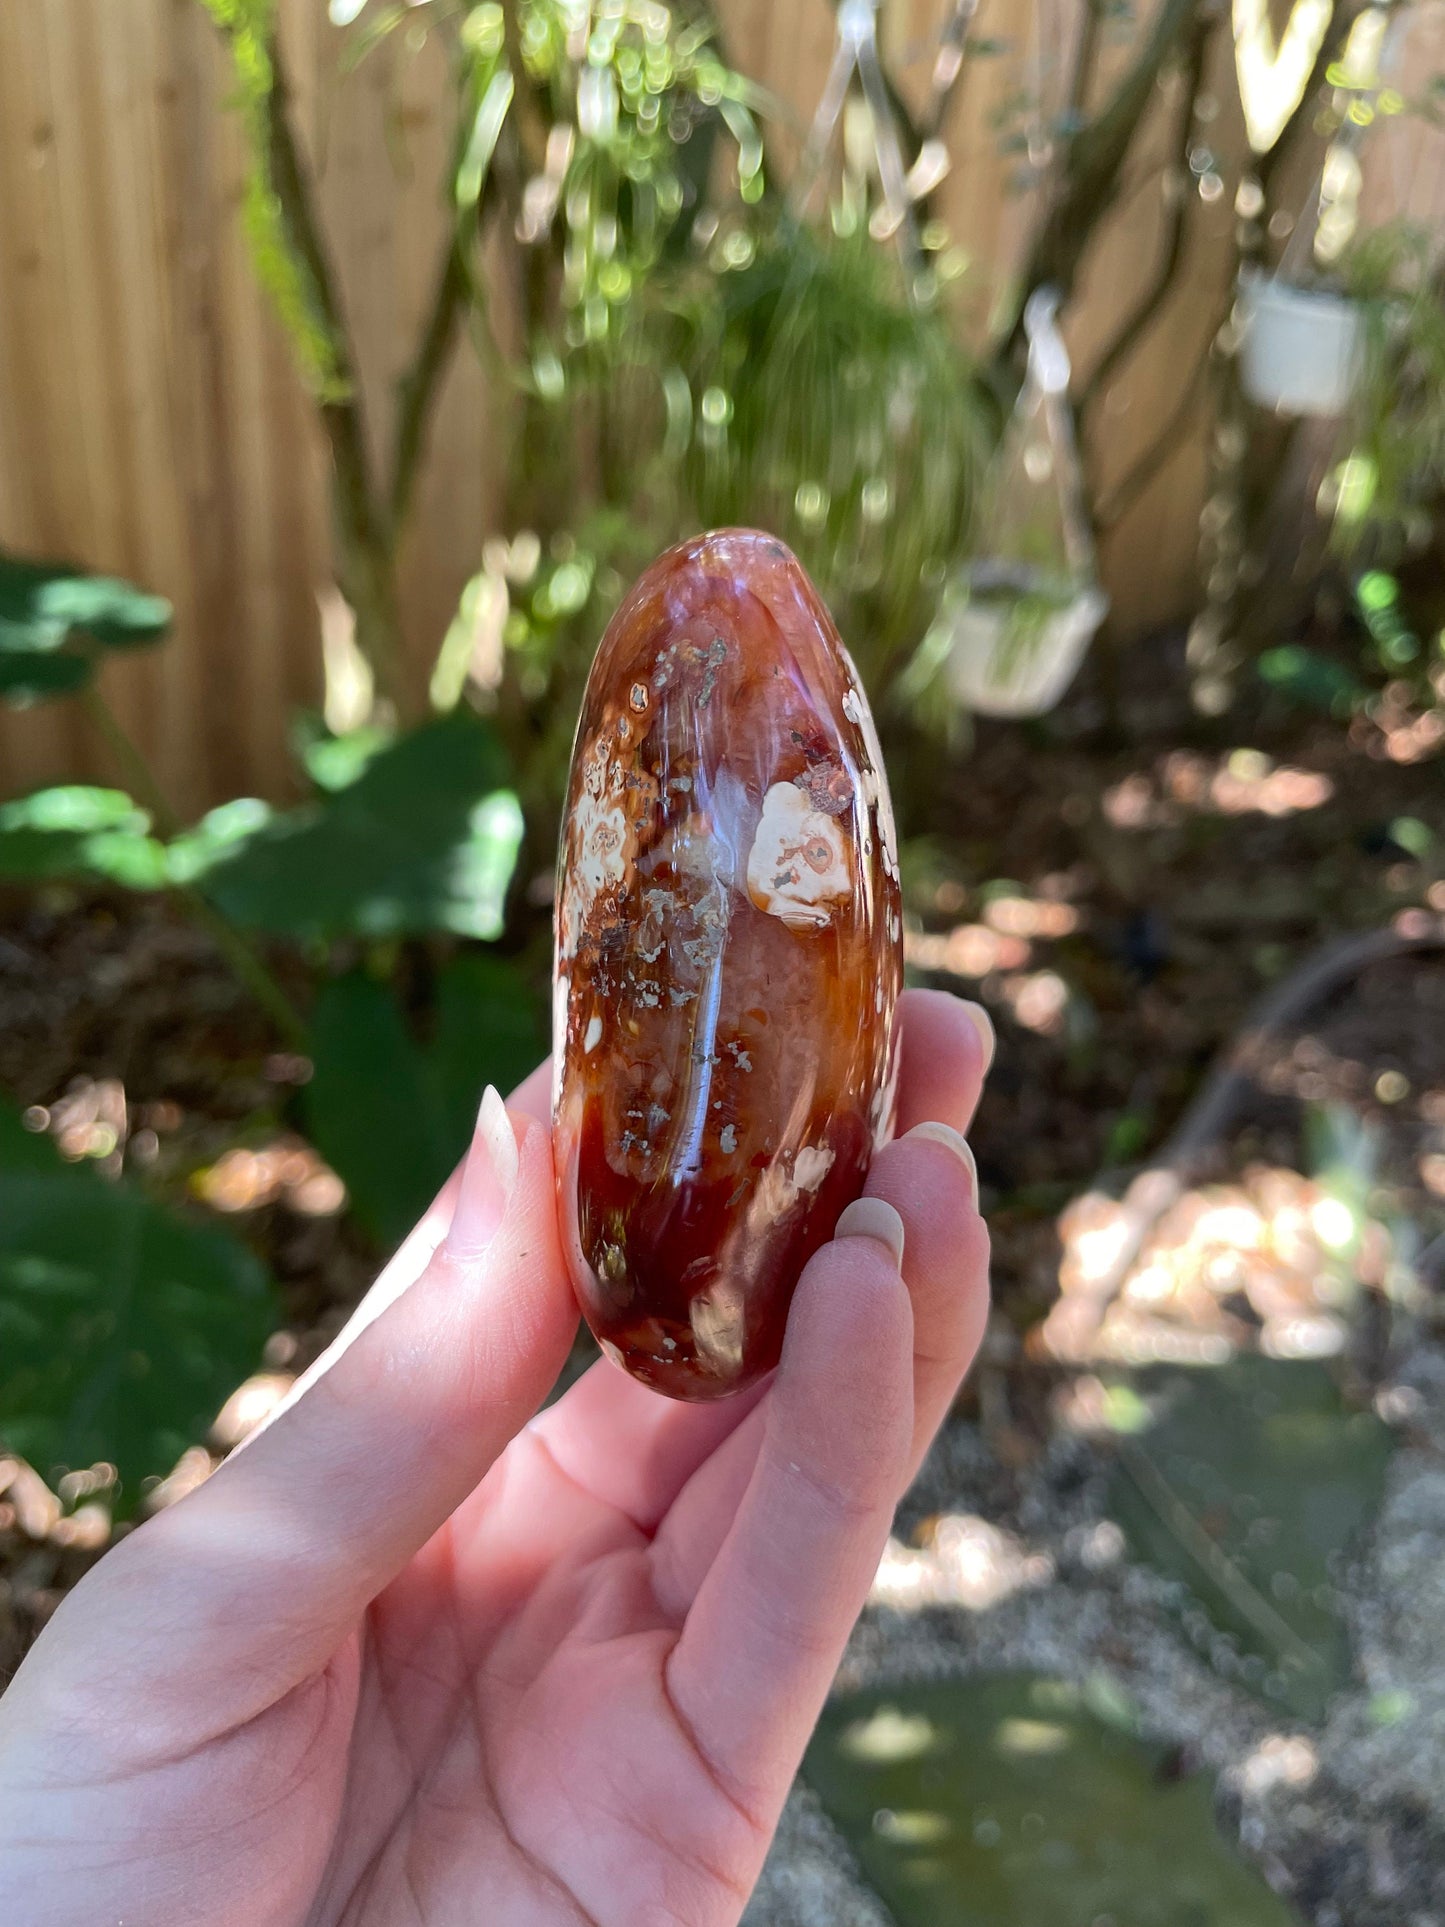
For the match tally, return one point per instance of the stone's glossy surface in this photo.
(729, 956)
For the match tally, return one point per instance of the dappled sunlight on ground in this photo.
(1273, 1262)
(287, 1171)
(1185, 783)
(960, 1560)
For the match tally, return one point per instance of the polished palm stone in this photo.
(728, 961)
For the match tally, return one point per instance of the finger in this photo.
(753, 1663)
(947, 1048)
(629, 1448)
(534, 1094)
(929, 1179)
(407, 1263)
(293, 1537)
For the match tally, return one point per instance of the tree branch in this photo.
(1147, 307)
(363, 535)
(1092, 163)
(1086, 61)
(948, 66)
(417, 388)
(1342, 20)
(1131, 485)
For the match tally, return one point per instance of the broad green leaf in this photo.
(392, 1114)
(1010, 1802)
(122, 1327)
(424, 839)
(370, 1110)
(1251, 1487)
(49, 611)
(219, 834)
(30, 676)
(76, 830)
(43, 603)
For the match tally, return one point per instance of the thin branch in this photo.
(417, 388)
(1086, 62)
(948, 66)
(527, 117)
(361, 526)
(1125, 492)
(1092, 165)
(1342, 20)
(1152, 300)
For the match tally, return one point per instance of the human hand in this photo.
(414, 1656)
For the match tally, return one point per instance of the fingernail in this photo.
(983, 1024)
(873, 1218)
(487, 1180)
(956, 1142)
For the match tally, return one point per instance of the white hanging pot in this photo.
(1300, 348)
(995, 671)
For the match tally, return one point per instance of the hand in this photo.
(413, 1656)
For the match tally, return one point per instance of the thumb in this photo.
(281, 1550)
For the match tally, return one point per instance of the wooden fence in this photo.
(151, 423)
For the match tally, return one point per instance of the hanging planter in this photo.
(1301, 348)
(1017, 639)
(1015, 623)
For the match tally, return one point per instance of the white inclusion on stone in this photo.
(728, 1139)
(601, 845)
(798, 865)
(716, 1317)
(811, 1165)
(559, 1036)
(594, 1034)
(874, 778)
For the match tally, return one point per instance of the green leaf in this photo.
(424, 839)
(1006, 1802)
(122, 1328)
(219, 834)
(43, 603)
(1251, 1488)
(391, 1115)
(76, 830)
(1310, 680)
(45, 607)
(29, 676)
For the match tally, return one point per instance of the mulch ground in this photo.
(1119, 909)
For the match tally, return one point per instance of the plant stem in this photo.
(1092, 162)
(249, 968)
(417, 388)
(368, 577)
(1152, 300)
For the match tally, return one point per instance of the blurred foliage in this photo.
(249, 27)
(123, 1328)
(392, 1115)
(55, 621)
(424, 838)
(1250, 1488)
(1387, 488)
(828, 409)
(1023, 1801)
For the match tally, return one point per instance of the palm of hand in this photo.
(399, 1659)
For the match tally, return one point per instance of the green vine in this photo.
(248, 27)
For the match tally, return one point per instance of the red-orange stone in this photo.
(729, 956)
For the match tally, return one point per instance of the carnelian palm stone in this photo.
(728, 962)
